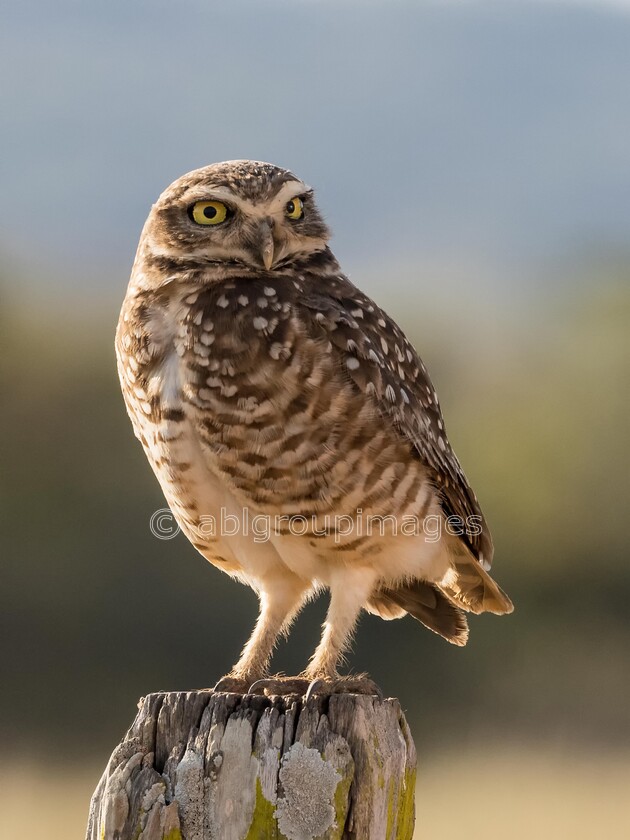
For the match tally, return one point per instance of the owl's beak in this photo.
(267, 243)
(267, 253)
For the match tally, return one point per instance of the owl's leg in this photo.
(281, 599)
(350, 589)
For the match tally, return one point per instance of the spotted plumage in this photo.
(264, 386)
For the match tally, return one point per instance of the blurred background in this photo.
(473, 160)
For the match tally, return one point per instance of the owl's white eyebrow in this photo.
(290, 190)
(210, 194)
(286, 192)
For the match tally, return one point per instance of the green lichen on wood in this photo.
(391, 808)
(173, 834)
(263, 824)
(400, 807)
(340, 804)
(406, 810)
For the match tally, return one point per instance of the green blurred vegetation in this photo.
(96, 611)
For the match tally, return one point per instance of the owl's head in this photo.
(242, 211)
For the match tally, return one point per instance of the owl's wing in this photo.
(380, 360)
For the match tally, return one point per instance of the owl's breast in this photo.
(277, 414)
(237, 394)
(260, 394)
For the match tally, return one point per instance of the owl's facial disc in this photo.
(261, 221)
(260, 232)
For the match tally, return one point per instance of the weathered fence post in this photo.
(200, 765)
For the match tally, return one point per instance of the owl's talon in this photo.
(343, 685)
(314, 688)
(360, 684)
(232, 685)
(279, 685)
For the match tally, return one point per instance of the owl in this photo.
(292, 426)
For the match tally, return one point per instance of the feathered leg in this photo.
(280, 601)
(349, 591)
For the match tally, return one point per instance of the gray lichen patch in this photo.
(306, 810)
(189, 789)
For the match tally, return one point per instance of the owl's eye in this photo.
(294, 208)
(208, 212)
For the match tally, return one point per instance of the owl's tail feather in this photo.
(427, 604)
(470, 587)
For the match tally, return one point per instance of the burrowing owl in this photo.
(293, 428)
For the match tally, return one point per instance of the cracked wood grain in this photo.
(201, 765)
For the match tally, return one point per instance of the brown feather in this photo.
(427, 604)
(471, 587)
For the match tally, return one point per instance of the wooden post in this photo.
(200, 765)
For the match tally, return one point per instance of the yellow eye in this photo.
(208, 212)
(294, 208)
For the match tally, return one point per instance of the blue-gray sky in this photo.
(464, 136)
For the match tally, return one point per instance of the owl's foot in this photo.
(234, 685)
(353, 684)
(301, 686)
(280, 684)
